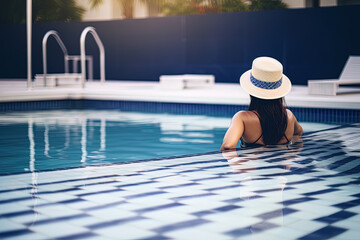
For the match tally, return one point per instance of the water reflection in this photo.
(34, 175)
(103, 135)
(32, 145)
(273, 180)
(64, 139)
(83, 140)
(263, 179)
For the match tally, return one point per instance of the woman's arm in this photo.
(298, 131)
(234, 133)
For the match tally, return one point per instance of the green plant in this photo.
(256, 5)
(233, 6)
(14, 11)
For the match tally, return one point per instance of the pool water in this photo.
(308, 190)
(44, 140)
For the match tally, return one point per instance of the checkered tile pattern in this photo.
(301, 191)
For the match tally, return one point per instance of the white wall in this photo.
(109, 9)
(141, 10)
(295, 3)
(328, 3)
(301, 3)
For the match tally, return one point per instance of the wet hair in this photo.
(273, 118)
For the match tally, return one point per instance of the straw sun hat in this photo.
(265, 79)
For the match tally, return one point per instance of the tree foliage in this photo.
(233, 6)
(256, 5)
(186, 7)
(14, 11)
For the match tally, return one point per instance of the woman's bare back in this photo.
(252, 128)
(246, 125)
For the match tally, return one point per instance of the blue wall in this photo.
(311, 44)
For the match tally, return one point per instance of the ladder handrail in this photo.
(82, 54)
(62, 46)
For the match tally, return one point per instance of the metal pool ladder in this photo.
(74, 78)
(83, 56)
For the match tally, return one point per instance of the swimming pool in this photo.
(45, 140)
(303, 191)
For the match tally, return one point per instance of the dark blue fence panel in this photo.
(311, 44)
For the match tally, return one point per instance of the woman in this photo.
(267, 122)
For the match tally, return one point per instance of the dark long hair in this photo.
(273, 118)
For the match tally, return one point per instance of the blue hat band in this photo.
(265, 85)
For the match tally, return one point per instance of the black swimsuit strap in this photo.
(285, 134)
(260, 125)
(261, 131)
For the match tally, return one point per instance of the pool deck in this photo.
(220, 93)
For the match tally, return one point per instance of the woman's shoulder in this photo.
(289, 113)
(242, 114)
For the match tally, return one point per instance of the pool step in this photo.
(56, 79)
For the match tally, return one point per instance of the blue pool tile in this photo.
(354, 170)
(103, 224)
(198, 162)
(207, 195)
(262, 226)
(324, 233)
(342, 162)
(321, 192)
(203, 213)
(180, 225)
(19, 213)
(179, 185)
(223, 187)
(134, 184)
(54, 220)
(355, 182)
(297, 200)
(79, 236)
(234, 200)
(99, 192)
(336, 217)
(97, 183)
(158, 207)
(275, 213)
(302, 114)
(206, 178)
(240, 232)
(305, 181)
(140, 195)
(76, 200)
(348, 204)
(15, 200)
(76, 180)
(14, 233)
(273, 190)
(157, 237)
(202, 195)
(108, 205)
(153, 170)
(226, 208)
(57, 191)
(252, 197)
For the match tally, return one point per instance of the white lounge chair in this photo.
(186, 81)
(349, 76)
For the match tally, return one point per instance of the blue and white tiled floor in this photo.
(309, 190)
